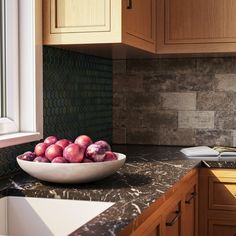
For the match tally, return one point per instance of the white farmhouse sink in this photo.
(24, 216)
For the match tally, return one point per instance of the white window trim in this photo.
(30, 94)
(10, 123)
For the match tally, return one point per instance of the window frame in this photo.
(24, 81)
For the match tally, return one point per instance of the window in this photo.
(21, 72)
(2, 60)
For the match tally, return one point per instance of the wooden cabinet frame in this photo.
(216, 208)
(191, 40)
(156, 215)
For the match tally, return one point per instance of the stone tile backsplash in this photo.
(178, 101)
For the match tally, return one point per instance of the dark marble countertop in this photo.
(149, 172)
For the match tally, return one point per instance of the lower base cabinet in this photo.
(221, 227)
(173, 221)
(217, 204)
(176, 215)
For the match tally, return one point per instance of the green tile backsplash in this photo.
(77, 92)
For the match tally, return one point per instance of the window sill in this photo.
(19, 138)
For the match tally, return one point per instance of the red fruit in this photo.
(53, 151)
(110, 156)
(40, 149)
(41, 159)
(73, 153)
(84, 141)
(95, 152)
(63, 143)
(59, 160)
(104, 145)
(28, 156)
(50, 140)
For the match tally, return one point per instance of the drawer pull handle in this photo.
(130, 4)
(193, 195)
(178, 214)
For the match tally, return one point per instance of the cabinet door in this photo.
(82, 21)
(217, 204)
(173, 221)
(139, 23)
(80, 16)
(151, 227)
(190, 213)
(222, 192)
(222, 228)
(196, 26)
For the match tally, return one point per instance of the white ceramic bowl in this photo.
(71, 172)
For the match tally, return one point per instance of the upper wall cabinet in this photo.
(75, 22)
(196, 26)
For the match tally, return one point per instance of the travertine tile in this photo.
(157, 119)
(119, 135)
(142, 136)
(196, 119)
(216, 101)
(127, 83)
(119, 100)
(226, 82)
(178, 101)
(142, 101)
(234, 138)
(181, 137)
(178, 82)
(118, 66)
(119, 117)
(225, 120)
(142, 65)
(178, 65)
(214, 137)
(215, 65)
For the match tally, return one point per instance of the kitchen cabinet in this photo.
(190, 26)
(176, 214)
(79, 22)
(217, 204)
(190, 212)
(139, 24)
(173, 220)
(222, 227)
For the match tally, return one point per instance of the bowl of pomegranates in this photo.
(63, 161)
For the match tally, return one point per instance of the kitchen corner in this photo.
(148, 168)
(148, 77)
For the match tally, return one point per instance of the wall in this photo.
(77, 92)
(183, 101)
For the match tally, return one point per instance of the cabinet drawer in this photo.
(222, 193)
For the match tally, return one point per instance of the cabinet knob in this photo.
(178, 214)
(130, 4)
(193, 195)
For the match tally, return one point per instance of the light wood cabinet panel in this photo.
(190, 212)
(190, 26)
(99, 22)
(139, 24)
(217, 204)
(222, 227)
(152, 227)
(73, 16)
(222, 193)
(173, 221)
(72, 22)
(169, 215)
